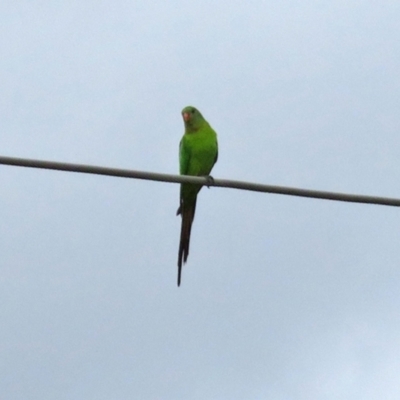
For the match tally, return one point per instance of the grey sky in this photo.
(282, 298)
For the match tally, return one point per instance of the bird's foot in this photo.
(210, 181)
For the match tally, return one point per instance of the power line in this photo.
(152, 176)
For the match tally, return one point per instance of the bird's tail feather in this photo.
(187, 212)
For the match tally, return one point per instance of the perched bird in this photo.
(198, 152)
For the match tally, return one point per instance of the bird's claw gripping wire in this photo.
(210, 181)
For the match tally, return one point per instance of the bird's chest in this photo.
(202, 155)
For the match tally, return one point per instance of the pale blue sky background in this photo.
(282, 298)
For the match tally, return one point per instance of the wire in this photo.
(207, 181)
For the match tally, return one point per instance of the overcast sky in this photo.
(282, 298)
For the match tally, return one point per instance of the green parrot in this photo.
(198, 152)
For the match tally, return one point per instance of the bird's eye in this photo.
(193, 110)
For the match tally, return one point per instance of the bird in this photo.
(198, 152)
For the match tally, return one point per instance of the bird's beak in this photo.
(186, 116)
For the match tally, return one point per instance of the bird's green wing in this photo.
(184, 157)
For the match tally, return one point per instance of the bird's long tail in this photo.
(187, 211)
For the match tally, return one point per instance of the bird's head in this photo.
(192, 118)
